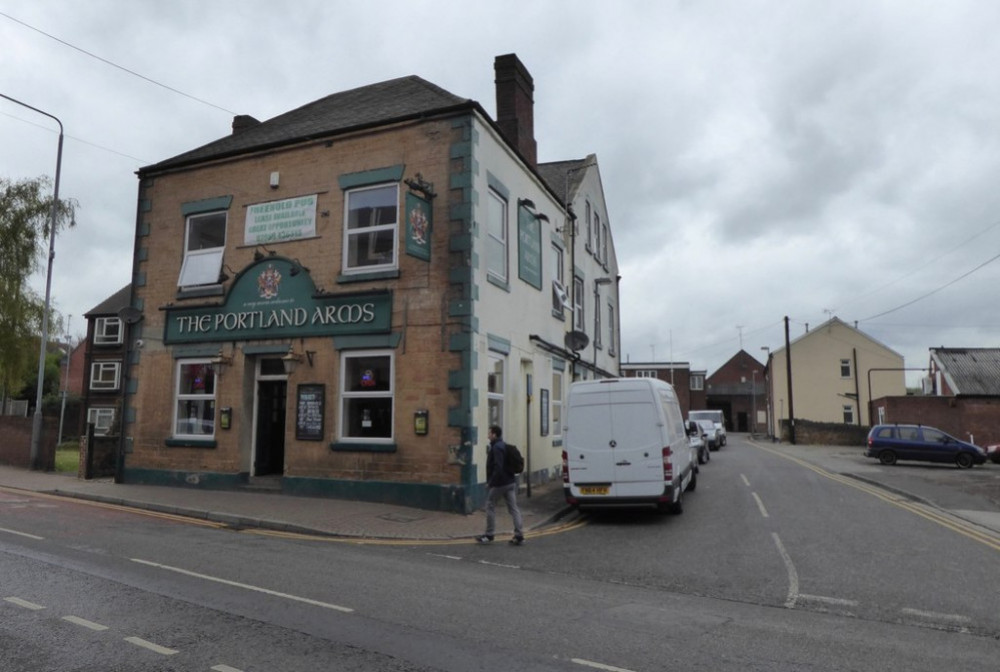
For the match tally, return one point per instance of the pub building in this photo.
(340, 300)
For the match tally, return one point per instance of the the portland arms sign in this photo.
(268, 301)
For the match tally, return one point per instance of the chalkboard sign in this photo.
(309, 412)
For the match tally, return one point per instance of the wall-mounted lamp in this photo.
(291, 360)
(218, 362)
(223, 275)
(258, 255)
(297, 268)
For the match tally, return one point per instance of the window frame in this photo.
(213, 256)
(496, 398)
(697, 382)
(611, 328)
(371, 231)
(97, 377)
(494, 242)
(347, 396)
(558, 258)
(556, 404)
(848, 414)
(179, 396)
(94, 415)
(102, 325)
(579, 317)
(845, 365)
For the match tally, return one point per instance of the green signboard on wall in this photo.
(269, 300)
(529, 248)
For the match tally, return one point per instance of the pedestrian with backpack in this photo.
(502, 483)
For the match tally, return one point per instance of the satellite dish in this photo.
(576, 340)
(130, 314)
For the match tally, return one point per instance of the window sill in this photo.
(190, 443)
(502, 284)
(559, 315)
(348, 278)
(361, 447)
(200, 292)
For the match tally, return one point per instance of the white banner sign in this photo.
(280, 220)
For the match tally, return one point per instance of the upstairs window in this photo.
(496, 237)
(845, 368)
(697, 382)
(105, 376)
(611, 329)
(559, 297)
(107, 331)
(371, 230)
(204, 244)
(578, 321)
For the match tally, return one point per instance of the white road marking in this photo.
(830, 600)
(85, 623)
(225, 668)
(245, 586)
(448, 557)
(21, 534)
(760, 505)
(793, 576)
(745, 481)
(499, 564)
(24, 603)
(598, 666)
(957, 618)
(156, 648)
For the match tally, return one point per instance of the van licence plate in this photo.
(595, 489)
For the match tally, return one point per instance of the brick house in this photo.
(340, 300)
(689, 385)
(104, 351)
(738, 389)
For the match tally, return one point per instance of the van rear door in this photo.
(614, 442)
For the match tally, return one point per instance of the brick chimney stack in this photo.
(242, 122)
(516, 105)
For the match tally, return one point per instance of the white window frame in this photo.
(196, 397)
(105, 376)
(101, 417)
(611, 329)
(697, 381)
(604, 243)
(108, 331)
(495, 398)
(845, 365)
(372, 231)
(578, 301)
(347, 396)
(202, 266)
(590, 226)
(848, 414)
(556, 404)
(646, 373)
(597, 236)
(497, 235)
(597, 319)
(558, 288)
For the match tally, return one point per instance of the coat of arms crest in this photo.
(268, 282)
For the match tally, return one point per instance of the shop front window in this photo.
(194, 407)
(366, 391)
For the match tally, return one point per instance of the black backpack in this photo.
(513, 461)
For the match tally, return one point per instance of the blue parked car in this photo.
(889, 443)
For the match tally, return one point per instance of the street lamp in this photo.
(36, 425)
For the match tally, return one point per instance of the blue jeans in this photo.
(508, 493)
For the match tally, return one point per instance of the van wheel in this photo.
(693, 483)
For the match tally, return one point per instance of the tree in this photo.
(25, 215)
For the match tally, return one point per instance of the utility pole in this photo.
(788, 367)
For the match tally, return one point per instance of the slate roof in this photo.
(112, 304)
(970, 371)
(556, 172)
(368, 106)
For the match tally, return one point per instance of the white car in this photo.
(711, 434)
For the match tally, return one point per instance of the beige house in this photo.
(836, 370)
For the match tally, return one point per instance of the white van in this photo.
(625, 445)
(716, 417)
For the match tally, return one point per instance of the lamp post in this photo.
(36, 425)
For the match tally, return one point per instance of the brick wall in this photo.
(15, 447)
(958, 416)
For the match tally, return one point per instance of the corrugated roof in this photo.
(970, 371)
(372, 105)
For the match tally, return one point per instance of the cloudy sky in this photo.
(760, 159)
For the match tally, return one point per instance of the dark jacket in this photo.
(497, 475)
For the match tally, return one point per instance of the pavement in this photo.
(973, 495)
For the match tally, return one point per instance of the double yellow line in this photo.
(930, 513)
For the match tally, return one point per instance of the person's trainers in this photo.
(484, 539)
(517, 540)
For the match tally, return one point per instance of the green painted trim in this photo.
(140, 304)
(142, 254)
(143, 230)
(498, 344)
(130, 416)
(132, 386)
(206, 205)
(185, 479)
(558, 241)
(267, 349)
(344, 279)
(190, 443)
(140, 279)
(145, 205)
(460, 308)
(367, 177)
(372, 341)
(186, 351)
(359, 447)
(427, 496)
